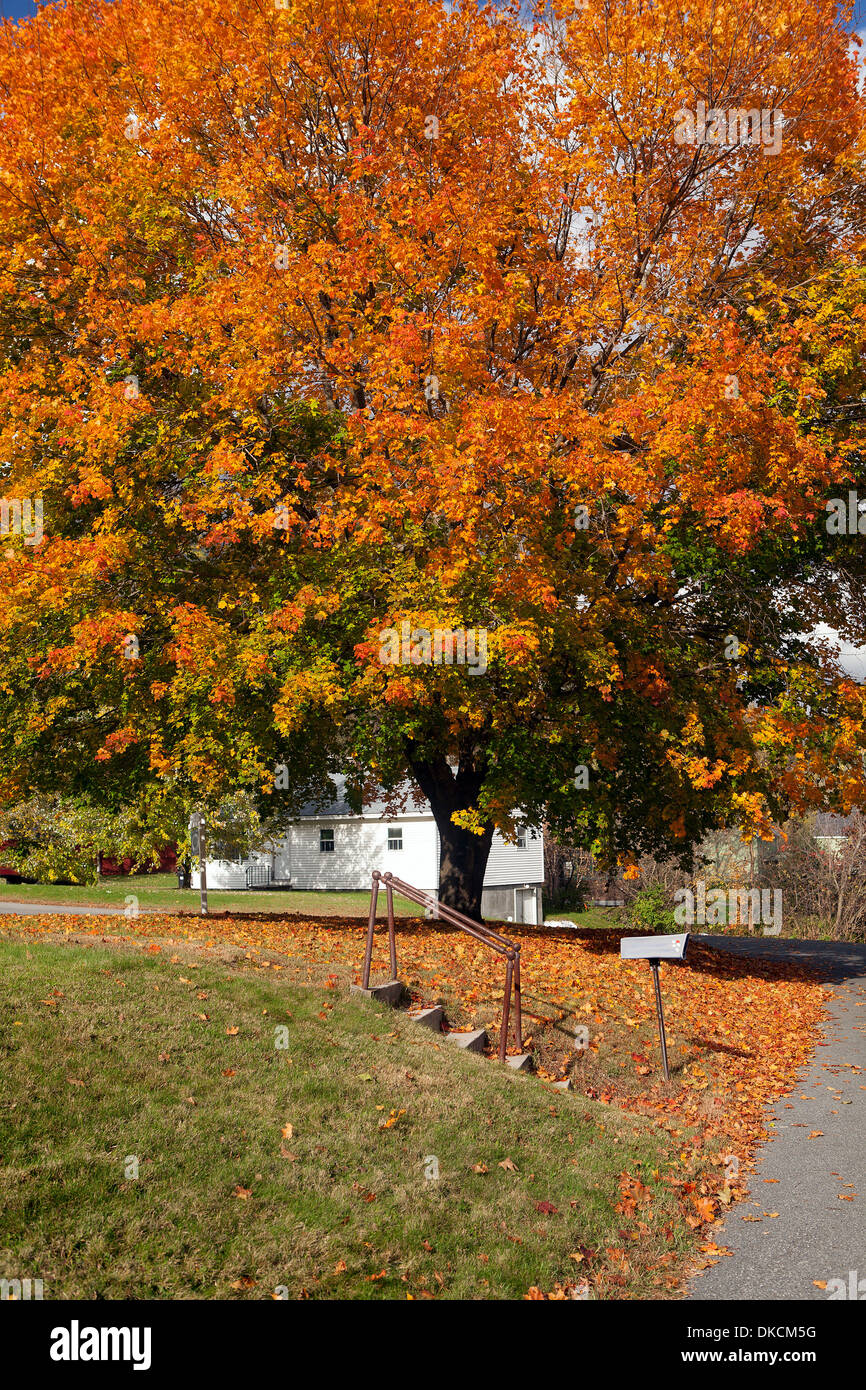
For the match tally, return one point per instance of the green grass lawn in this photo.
(590, 917)
(161, 891)
(310, 1169)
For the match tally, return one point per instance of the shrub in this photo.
(650, 911)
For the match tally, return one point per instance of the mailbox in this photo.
(654, 947)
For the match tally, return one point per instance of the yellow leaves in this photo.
(394, 1118)
(754, 816)
(316, 688)
(471, 820)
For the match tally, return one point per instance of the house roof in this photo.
(375, 807)
(828, 825)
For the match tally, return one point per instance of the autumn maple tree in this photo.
(319, 320)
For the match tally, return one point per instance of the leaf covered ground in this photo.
(738, 1032)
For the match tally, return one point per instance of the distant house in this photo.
(334, 849)
(832, 831)
(732, 858)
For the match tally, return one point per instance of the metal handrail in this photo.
(479, 930)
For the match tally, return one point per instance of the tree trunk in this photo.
(463, 855)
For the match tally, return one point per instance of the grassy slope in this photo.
(112, 1067)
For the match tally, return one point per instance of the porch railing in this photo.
(479, 930)
(258, 875)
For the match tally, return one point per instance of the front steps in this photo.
(390, 993)
(429, 1018)
(474, 1041)
(471, 1040)
(522, 1062)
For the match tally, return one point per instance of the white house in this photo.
(336, 849)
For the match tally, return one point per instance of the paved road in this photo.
(815, 1236)
(40, 909)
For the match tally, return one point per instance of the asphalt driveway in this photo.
(10, 909)
(816, 1186)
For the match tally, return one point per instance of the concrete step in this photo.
(471, 1042)
(523, 1062)
(389, 993)
(562, 1085)
(429, 1018)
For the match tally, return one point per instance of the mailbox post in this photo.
(655, 949)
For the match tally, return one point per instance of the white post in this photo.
(199, 850)
(203, 878)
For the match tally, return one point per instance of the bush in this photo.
(650, 911)
(822, 880)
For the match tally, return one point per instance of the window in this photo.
(326, 839)
(395, 837)
(521, 837)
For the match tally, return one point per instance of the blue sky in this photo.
(16, 9)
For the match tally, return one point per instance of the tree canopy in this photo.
(323, 320)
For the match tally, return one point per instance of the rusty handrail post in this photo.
(478, 930)
(506, 1008)
(392, 940)
(518, 1012)
(368, 954)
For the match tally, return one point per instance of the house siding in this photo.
(361, 845)
(510, 865)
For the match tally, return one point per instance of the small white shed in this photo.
(335, 849)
